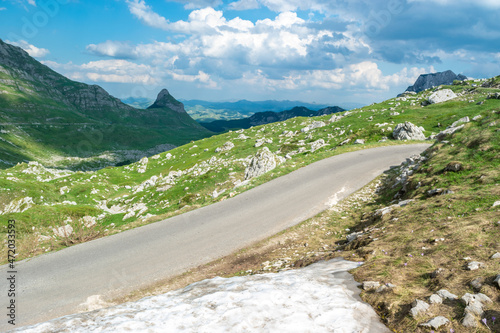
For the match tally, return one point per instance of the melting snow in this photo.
(318, 298)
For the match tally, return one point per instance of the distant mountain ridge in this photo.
(262, 118)
(47, 117)
(426, 81)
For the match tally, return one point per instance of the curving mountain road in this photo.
(55, 284)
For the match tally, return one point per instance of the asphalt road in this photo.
(55, 284)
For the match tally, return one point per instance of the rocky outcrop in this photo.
(264, 161)
(426, 81)
(408, 131)
(441, 96)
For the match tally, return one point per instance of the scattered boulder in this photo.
(445, 294)
(370, 285)
(442, 95)
(454, 167)
(497, 281)
(474, 265)
(437, 272)
(344, 142)
(496, 203)
(317, 145)
(263, 161)
(315, 124)
(435, 299)
(443, 134)
(469, 320)
(335, 118)
(64, 231)
(418, 308)
(460, 121)
(436, 323)
(359, 142)
(226, 147)
(477, 283)
(408, 131)
(496, 256)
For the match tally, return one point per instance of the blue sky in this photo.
(324, 51)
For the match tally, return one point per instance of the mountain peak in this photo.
(426, 81)
(166, 100)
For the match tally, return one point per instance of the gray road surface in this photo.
(55, 284)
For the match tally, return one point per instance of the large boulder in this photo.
(441, 96)
(408, 131)
(264, 161)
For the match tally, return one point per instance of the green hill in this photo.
(46, 117)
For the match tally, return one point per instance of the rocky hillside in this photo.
(46, 117)
(262, 118)
(427, 81)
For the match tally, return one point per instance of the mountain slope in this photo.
(262, 118)
(45, 116)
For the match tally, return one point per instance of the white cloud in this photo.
(113, 49)
(243, 5)
(146, 14)
(2, 8)
(32, 2)
(31, 49)
(196, 4)
(356, 77)
(117, 71)
(201, 77)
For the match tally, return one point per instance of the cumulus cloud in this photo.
(2, 8)
(113, 49)
(31, 49)
(196, 4)
(115, 71)
(145, 13)
(243, 5)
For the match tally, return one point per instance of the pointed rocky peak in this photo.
(165, 100)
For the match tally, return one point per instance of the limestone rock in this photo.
(426, 81)
(64, 231)
(226, 147)
(437, 272)
(474, 265)
(408, 131)
(496, 203)
(418, 308)
(477, 283)
(442, 96)
(264, 161)
(496, 256)
(469, 320)
(317, 145)
(370, 285)
(359, 142)
(315, 124)
(436, 322)
(460, 121)
(445, 294)
(454, 167)
(441, 135)
(497, 281)
(435, 299)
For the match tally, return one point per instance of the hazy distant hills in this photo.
(205, 111)
(47, 117)
(261, 118)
